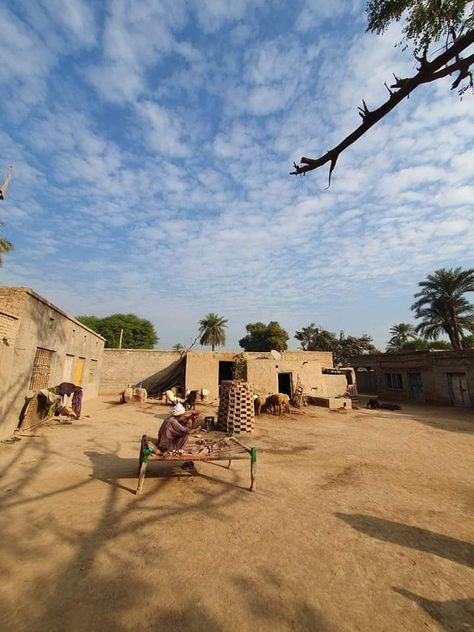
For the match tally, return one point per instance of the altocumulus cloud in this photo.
(152, 143)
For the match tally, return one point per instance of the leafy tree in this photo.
(348, 346)
(138, 333)
(400, 335)
(343, 347)
(211, 330)
(428, 23)
(468, 342)
(441, 305)
(314, 338)
(421, 344)
(178, 347)
(261, 337)
(93, 322)
(5, 246)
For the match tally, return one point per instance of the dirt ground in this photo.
(362, 520)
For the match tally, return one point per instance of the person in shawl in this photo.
(175, 430)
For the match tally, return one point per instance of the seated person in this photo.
(175, 430)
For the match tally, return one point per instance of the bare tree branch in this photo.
(427, 72)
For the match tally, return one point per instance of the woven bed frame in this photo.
(237, 450)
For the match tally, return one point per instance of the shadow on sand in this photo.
(413, 537)
(456, 615)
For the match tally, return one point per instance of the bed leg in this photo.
(141, 477)
(253, 469)
(229, 464)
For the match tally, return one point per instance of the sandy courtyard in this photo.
(362, 520)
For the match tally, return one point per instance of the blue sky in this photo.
(152, 142)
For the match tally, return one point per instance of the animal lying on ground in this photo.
(277, 404)
(374, 404)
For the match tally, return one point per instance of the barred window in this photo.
(393, 381)
(41, 368)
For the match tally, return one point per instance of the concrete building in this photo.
(40, 347)
(207, 369)
(434, 377)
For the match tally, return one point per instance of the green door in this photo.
(415, 385)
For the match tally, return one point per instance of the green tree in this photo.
(468, 342)
(314, 338)
(261, 337)
(93, 322)
(442, 307)
(212, 330)
(342, 347)
(348, 346)
(5, 246)
(400, 335)
(178, 347)
(138, 333)
(422, 344)
(439, 32)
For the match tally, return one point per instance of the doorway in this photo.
(415, 387)
(284, 383)
(458, 392)
(226, 371)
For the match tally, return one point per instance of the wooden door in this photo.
(458, 391)
(415, 386)
(79, 371)
(67, 371)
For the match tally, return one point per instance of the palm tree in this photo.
(442, 306)
(211, 330)
(5, 246)
(400, 335)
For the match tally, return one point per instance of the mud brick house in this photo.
(433, 377)
(195, 370)
(40, 347)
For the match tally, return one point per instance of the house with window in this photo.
(434, 377)
(40, 347)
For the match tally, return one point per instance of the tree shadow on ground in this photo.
(413, 537)
(96, 582)
(463, 426)
(456, 615)
(193, 617)
(266, 600)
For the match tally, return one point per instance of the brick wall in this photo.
(12, 300)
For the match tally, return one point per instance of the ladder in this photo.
(297, 399)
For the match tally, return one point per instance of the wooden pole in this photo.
(141, 478)
(121, 338)
(253, 469)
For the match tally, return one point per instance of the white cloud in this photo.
(163, 130)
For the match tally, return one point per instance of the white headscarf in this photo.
(178, 409)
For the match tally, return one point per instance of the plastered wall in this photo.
(131, 366)
(41, 324)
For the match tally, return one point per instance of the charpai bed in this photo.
(226, 449)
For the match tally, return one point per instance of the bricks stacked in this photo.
(236, 410)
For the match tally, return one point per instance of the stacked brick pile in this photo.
(236, 410)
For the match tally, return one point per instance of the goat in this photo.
(190, 401)
(277, 403)
(258, 403)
